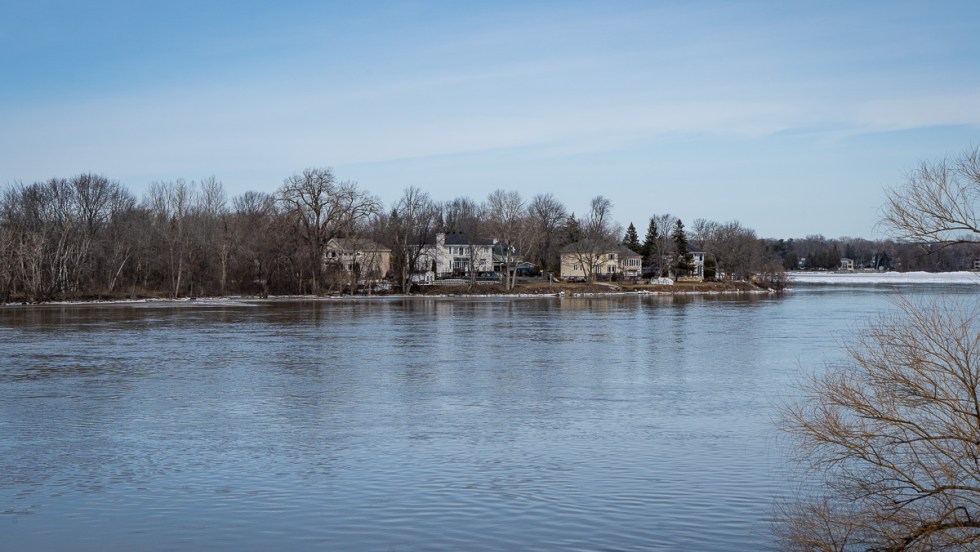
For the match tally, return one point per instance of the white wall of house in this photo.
(697, 264)
(454, 259)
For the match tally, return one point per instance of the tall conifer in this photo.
(631, 240)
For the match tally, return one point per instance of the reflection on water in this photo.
(385, 424)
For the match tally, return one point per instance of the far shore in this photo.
(522, 290)
(540, 289)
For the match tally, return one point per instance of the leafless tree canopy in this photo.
(323, 208)
(548, 214)
(509, 220)
(88, 237)
(939, 202)
(410, 224)
(893, 437)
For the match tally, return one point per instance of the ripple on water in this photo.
(590, 424)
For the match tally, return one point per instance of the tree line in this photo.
(816, 252)
(88, 236)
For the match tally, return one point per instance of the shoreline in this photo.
(566, 291)
(559, 290)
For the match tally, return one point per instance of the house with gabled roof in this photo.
(588, 260)
(360, 256)
(454, 255)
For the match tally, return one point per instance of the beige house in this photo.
(582, 259)
(368, 259)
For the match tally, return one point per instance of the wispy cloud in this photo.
(543, 85)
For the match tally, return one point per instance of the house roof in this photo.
(598, 247)
(458, 238)
(355, 244)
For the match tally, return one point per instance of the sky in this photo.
(793, 118)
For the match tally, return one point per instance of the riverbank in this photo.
(527, 289)
(595, 288)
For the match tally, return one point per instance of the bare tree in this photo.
(893, 437)
(465, 217)
(702, 231)
(661, 244)
(599, 226)
(547, 214)
(411, 225)
(591, 239)
(214, 232)
(939, 202)
(7, 260)
(259, 243)
(171, 203)
(510, 224)
(737, 250)
(323, 208)
(49, 246)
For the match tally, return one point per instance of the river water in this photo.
(606, 423)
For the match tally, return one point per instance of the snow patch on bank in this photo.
(966, 278)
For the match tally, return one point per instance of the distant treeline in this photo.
(820, 253)
(90, 237)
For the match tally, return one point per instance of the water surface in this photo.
(630, 423)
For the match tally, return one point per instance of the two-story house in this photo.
(454, 255)
(589, 260)
(358, 255)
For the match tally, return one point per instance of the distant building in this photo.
(697, 265)
(452, 255)
(365, 257)
(582, 259)
(846, 264)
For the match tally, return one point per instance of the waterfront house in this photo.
(454, 255)
(583, 259)
(697, 265)
(362, 257)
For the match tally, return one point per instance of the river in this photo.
(604, 423)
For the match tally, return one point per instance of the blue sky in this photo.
(792, 118)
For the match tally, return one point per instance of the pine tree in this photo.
(631, 240)
(681, 265)
(650, 242)
(573, 229)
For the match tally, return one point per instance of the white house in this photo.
(695, 261)
(697, 264)
(453, 255)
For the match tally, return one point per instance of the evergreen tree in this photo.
(631, 240)
(573, 229)
(681, 264)
(650, 242)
